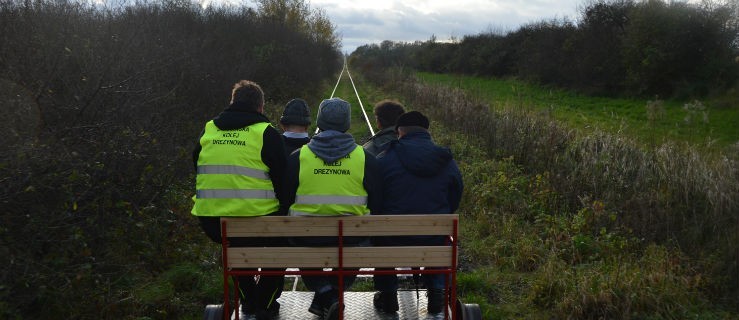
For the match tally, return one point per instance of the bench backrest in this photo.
(347, 226)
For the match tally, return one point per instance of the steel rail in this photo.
(369, 125)
(361, 106)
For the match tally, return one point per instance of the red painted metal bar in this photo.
(336, 272)
(341, 270)
(455, 244)
(237, 301)
(224, 256)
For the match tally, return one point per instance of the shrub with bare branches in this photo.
(103, 106)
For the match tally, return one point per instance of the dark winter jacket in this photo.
(419, 177)
(380, 141)
(236, 116)
(293, 142)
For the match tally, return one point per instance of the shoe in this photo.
(270, 313)
(247, 307)
(435, 300)
(315, 307)
(332, 313)
(386, 301)
(322, 302)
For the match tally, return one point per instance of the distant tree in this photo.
(599, 46)
(293, 36)
(618, 47)
(542, 55)
(485, 54)
(678, 48)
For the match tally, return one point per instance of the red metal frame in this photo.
(451, 288)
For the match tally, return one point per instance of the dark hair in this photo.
(247, 93)
(387, 112)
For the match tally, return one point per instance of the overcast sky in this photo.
(362, 22)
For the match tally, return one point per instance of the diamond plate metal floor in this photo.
(294, 306)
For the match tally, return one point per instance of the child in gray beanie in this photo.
(331, 165)
(334, 119)
(334, 114)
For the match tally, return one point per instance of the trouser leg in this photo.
(433, 281)
(386, 282)
(247, 293)
(269, 289)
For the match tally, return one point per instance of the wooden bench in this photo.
(340, 257)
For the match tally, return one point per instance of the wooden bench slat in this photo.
(327, 257)
(369, 225)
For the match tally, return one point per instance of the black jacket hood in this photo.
(419, 155)
(236, 116)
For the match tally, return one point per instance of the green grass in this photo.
(369, 96)
(526, 258)
(615, 115)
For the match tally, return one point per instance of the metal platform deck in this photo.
(294, 306)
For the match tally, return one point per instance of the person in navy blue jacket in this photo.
(418, 177)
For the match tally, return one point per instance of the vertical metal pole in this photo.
(224, 256)
(455, 242)
(341, 269)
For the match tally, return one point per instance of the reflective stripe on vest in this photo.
(330, 189)
(244, 171)
(231, 193)
(355, 200)
(232, 180)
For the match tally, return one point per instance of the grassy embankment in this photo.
(566, 223)
(713, 123)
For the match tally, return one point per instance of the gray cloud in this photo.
(416, 20)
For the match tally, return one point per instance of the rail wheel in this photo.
(469, 311)
(213, 312)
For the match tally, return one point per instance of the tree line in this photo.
(617, 47)
(102, 106)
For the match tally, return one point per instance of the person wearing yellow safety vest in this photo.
(331, 175)
(240, 162)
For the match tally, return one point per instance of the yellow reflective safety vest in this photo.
(231, 178)
(330, 189)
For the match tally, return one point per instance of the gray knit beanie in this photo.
(334, 114)
(296, 112)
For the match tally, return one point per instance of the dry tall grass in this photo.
(672, 194)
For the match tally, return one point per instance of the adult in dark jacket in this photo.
(418, 177)
(386, 114)
(344, 177)
(229, 146)
(294, 124)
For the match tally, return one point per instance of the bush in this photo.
(106, 107)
